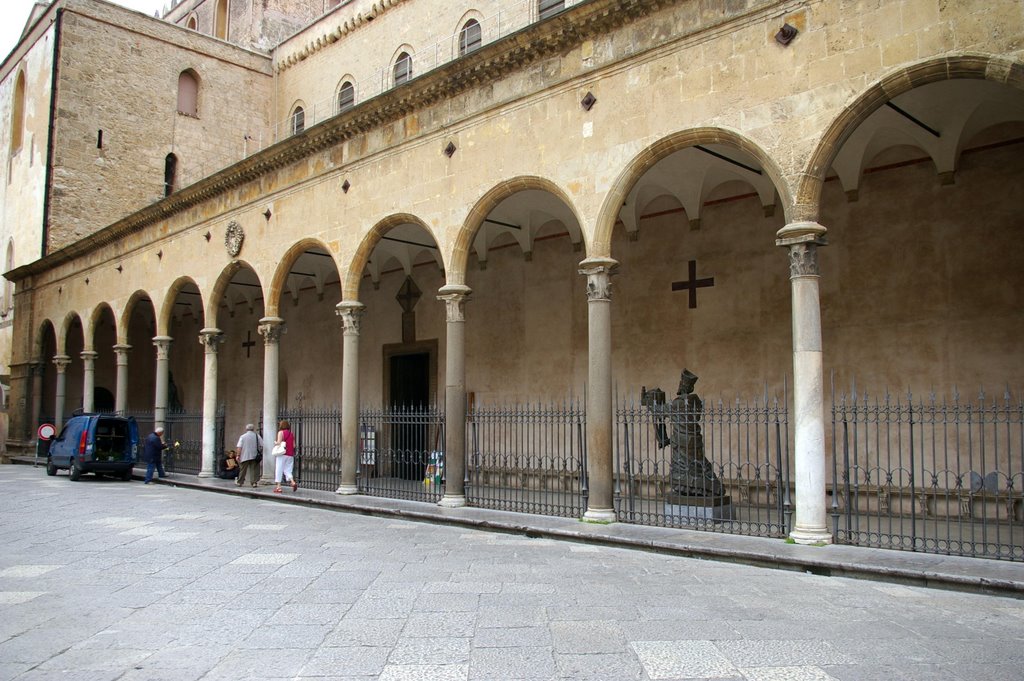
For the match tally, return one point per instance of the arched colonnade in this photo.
(82, 334)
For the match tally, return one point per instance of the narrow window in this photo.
(469, 37)
(549, 8)
(18, 113)
(346, 96)
(193, 24)
(403, 68)
(188, 93)
(220, 21)
(8, 299)
(170, 174)
(99, 139)
(298, 120)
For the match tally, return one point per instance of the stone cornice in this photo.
(533, 43)
(338, 29)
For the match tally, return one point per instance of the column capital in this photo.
(455, 297)
(89, 355)
(271, 329)
(210, 338)
(61, 362)
(598, 272)
(801, 233)
(122, 348)
(351, 312)
(163, 346)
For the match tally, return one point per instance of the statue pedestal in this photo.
(698, 508)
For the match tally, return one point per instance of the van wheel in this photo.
(50, 468)
(75, 472)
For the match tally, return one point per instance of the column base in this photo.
(205, 474)
(811, 536)
(605, 516)
(347, 489)
(452, 501)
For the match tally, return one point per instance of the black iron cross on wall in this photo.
(249, 343)
(693, 284)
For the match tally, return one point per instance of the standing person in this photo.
(249, 447)
(152, 451)
(283, 464)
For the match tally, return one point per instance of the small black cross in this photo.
(248, 344)
(408, 295)
(693, 284)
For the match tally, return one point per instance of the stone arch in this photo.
(221, 287)
(163, 325)
(354, 274)
(65, 328)
(126, 313)
(978, 66)
(39, 345)
(272, 303)
(94, 320)
(646, 159)
(456, 270)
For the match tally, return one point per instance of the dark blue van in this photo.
(95, 443)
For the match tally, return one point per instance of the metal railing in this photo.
(434, 54)
(528, 458)
(186, 429)
(932, 475)
(401, 452)
(317, 446)
(739, 453)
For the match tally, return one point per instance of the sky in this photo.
(14, 14)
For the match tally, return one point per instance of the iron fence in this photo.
(401, 452)
(721, 467)
(528, 458)
(317, 446)
(936, 475)
(183, 431)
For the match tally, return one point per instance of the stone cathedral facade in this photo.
(253, 207)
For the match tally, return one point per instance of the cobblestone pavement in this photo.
(102, 579)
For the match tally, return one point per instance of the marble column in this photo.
(455, 297)
(163, 355)
(36, 370)
(810, 525)
(271, 329)
(210, 339)
(351, 313)
(89, 380)
(601, 500)
(121, 356)
(61, 362)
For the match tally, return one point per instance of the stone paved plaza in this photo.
(110, 580)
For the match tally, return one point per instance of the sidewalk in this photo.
(921, 569)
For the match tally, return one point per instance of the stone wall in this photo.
(134, 104)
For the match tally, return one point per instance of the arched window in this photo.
(403, 68)
(469, 37)
(188, 93)
(170, 174)
(298, 120)
(18, 113)
(220, 20)
(8, 299)
(346, 96)
(549, 8)
(193, 23)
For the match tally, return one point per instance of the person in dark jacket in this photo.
(153, 453)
